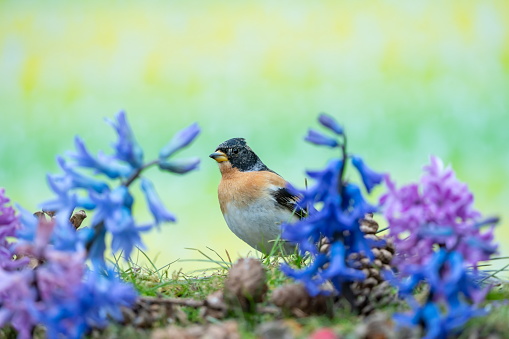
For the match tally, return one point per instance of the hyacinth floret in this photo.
(102, 184)
(439, 239)
(126, 147)
(60, 294)
(453, 296)
(9, 225)
(342, 206)
(436, 210)
(181, 140)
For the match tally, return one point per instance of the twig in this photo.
(138, 172)
(201, 303)
(174, 301)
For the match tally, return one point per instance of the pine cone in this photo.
(368, 293)
(296, 300)
(372, 292)
(245, 285)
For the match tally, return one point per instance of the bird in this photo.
(253, 198)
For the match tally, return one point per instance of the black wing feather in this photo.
(289, 201)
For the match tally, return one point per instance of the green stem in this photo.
(342, 171)
(136, 174)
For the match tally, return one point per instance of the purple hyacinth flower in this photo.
(29, 225)
(17, 297)
(181, 139)
(180, 166)
(9, 226)
(160, 213)
(126, 147)
(329, 122)
(436, 210)
(107, 165)
(8, 220)
(318, 138)
(369, 177)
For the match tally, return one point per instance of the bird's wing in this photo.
(288, 201)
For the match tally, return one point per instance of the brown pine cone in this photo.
(362, 290)
(368, 225)
(295, 299)
(246, 284)
(374, 291)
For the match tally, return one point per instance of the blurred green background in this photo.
(407, 80)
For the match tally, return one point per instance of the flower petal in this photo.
(318, 138)
(126, 147)
(155, 204)
(329, 122)
(180, 166)
(182, 139)
(369, 177)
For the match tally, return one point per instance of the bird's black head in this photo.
(239, 154)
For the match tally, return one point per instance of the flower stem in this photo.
(342, 171)
(136, 174)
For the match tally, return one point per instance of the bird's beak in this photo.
(219, 156)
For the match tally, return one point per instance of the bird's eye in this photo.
(235, 150)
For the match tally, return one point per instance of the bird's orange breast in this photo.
(244, 188)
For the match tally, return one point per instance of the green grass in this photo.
(150, 280)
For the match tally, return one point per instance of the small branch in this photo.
(174, 301)
(136, 174)
(345, 158)
(201, 303)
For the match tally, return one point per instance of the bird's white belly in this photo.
(258, 224)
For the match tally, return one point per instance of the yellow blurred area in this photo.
(407, 79)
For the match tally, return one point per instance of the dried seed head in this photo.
(77, 218)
